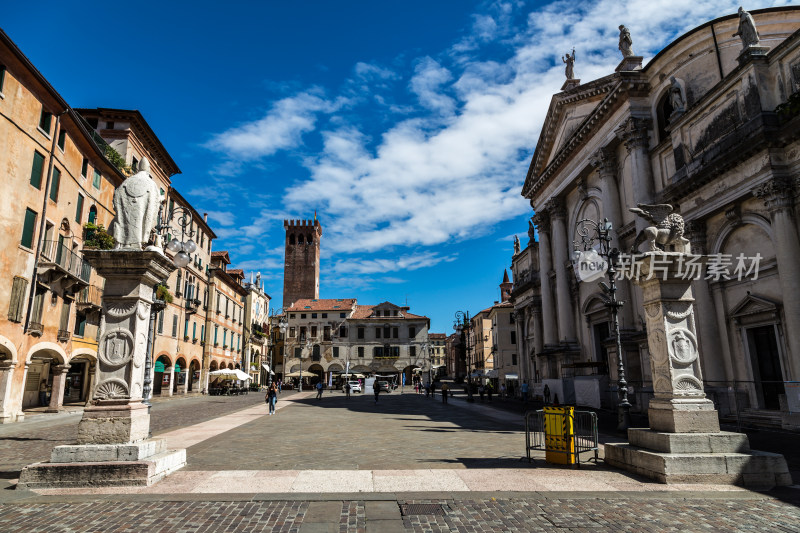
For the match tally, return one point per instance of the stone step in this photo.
(720, 442)
(79, 453)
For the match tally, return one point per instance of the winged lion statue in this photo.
(666, 231)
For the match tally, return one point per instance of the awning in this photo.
(351, 375)
(512, 376)
(491, 373)
(229, 374)
(297, 374)
(265, 366)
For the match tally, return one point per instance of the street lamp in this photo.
(462, 326)
(309, 345)
(596, 236)
(282, 326)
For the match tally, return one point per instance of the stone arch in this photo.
(213, 366)
(729, 228)
(7, 348)
(165, 356)
(590, 304)
(291, 238)
(316, 370)
(53, 350)
(85, 353)
(589, 207)
(230, 366)
(662, 109)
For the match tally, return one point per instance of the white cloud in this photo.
(429, 76)
(391, 264)
(281, 128)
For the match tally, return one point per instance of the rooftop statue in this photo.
(136, 204)
(625, 41)
(677, 95)
(747, 29)
(516, 245)
(569, 60)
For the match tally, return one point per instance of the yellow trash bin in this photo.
(559, 441)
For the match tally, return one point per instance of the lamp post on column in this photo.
(283, 324)
(181, 250)
(592, 247)
(309, 346)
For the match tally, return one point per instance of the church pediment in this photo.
(752, 306)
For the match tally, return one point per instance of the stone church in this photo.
(710, 126)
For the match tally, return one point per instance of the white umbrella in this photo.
(229, 374)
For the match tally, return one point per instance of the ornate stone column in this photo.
(6, 374)
(550, 333)
(778, 194)
(561, 247)
(92, 382)
(634, 133)
(684, 443)
(57, 394)
(168, 371)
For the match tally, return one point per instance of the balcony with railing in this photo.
(89, 298)
(192, 305)
(59, 263)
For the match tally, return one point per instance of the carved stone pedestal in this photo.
(684, 443)
(114, 448)
(630, 63)
(751, 52)
(570, 84)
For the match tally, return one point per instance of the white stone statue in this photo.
(747, 29)
(677, 95)
(625, 41)
(516, 245)
(569, 60)
(136, 204)
(667, 228)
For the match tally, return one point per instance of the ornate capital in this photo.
(556, 207)
(61, 369)
(542, 221)
(777, 193)
(633, 132)
(696, 233)
(605, 161)
(734, 214)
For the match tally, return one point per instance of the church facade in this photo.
(710, 127)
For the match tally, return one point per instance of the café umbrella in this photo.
(234, 374)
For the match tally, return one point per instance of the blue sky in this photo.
(407, 126)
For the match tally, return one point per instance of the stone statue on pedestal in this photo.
(516, 245)
(569, 60)
(677, 96)
(531, 232)
(625, 41)
(136, 203)
(747, 29)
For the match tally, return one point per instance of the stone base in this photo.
(104, 465)
(630, 63)
(721, 457)
(114, 422)
(751, 52)
(683, 416)
(790, 421)
(570, 84)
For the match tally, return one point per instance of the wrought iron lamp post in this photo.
(282, 326)
(181, 250)
(597, 236)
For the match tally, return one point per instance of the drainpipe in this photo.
(716, 49)
(42, 223)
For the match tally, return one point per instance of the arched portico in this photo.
(81, 376)
(47, 362)
(162, 375)
(180, 375)
(8, 363)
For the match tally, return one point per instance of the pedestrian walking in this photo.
(427, 390)
(433, 389)
(503, 391)
(546, 395)
(43, 393)
(376, 389)
(272, 398)
(445, 388)
(481, 391)
(347, 389)
(489, 392)
(525, 392)
(319, 390)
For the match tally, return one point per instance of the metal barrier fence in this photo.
(581, 439)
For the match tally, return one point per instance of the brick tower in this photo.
(505, 287)
(301, 261)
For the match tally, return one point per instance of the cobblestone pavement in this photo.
(32, 440)
(596, 515)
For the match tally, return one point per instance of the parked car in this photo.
(355, 386)
(384, 386)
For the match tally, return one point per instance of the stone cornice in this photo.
(616, 87)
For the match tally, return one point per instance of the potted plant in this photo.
(162, 293)
(186, 338)
(96, 236)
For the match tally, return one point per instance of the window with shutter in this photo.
(96, 179)
(54, 184)
(161, 321)
(17, 303)
(28, 228)
(37, 168)
(79, 209)
(62, 139)
(45, 120)
(361, 351)
(66, 307)
(84, 167)
(2, 76)
(174, 325)
(38, 306)
(80, 324)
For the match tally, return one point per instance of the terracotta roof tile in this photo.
(365, 311)
(330, 304)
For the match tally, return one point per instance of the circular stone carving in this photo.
(682, 346)
(136, 391)
(139, 355)
(675, 314)
(120, 309)
(111, 389)
(116, 347)
(688, 384)
(143, 310)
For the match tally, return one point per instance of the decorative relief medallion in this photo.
(136, 390)
(688, 384)
(120, 309)
(116, 347)
(143, 310)
(141, 350)
(111, 389)
(682, 346)
(653, 310)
